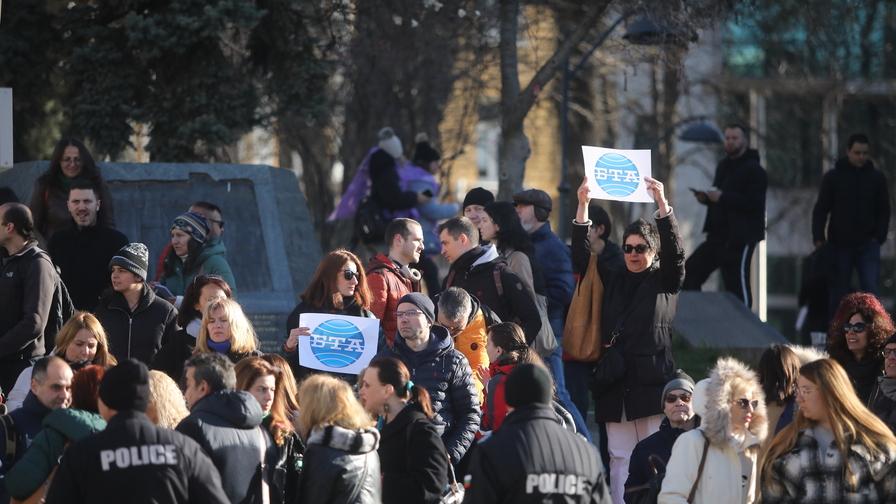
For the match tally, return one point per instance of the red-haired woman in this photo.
(339, 286)
(265, 382)
(856, 340)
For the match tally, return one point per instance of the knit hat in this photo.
(193, 224)
(535, 197)
(422, 302)
(528, 384)
(389, 142)
(478, 196)
(424, 152)
(126, 386)
(681, 382)
(133, 257)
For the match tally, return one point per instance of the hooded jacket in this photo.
(60, 427)
(27, 284)
(388, 283)
(212, 260)
(135, 461)
(472, 339)
(445, 373)
(226, 425)
(726, 477)
(739, 215)
(412, 458)
(139, 334)
(494, 410)
(475, 272)
(341, 467)
(858, 202)
(534, 459)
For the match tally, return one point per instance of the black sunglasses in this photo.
(745, 403)
(349, 274)
(673, 398)
(856, 328)
(639, 248)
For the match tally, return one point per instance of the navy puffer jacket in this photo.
(445, 373)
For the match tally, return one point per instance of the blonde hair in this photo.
(851, 422)
(84, 320)
(242, 335)
(327, 400)
(167, 406)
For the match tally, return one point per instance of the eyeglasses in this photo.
(854, 328)
(674, 398)
(804, 391)
(408, 313)
(746, 404)
(218, 222)
(890, 352)
(639, 248)
(349, 274)
(67, 160)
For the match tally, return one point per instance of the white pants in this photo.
(621, 440)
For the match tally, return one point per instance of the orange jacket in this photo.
(471, 343)
(387, 285)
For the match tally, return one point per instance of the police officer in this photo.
(532, 457)
(133, 460)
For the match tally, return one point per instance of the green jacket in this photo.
(212, 261)
(61, 426)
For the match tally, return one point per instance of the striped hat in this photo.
(133, 257)
(193, 224)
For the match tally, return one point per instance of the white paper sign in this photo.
(338, 343)
(615, 174)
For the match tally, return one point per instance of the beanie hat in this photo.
(424, 153)
(126, 386)
(133, 257)
(528, 384)
(422, 302)
(478, 196)
(193, 224)
(681, 382)
(389, 142)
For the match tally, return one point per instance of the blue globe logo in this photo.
(616, 175)
(337, 343)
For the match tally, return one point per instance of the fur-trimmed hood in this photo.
(712, 401)
(350, 441)
(807, 354)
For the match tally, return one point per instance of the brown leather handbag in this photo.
(581, 334)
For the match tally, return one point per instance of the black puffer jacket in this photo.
(140, 334)
(533, 458)
(658, 444)
(445, 373)
(412, 459)
(226, 425)
(162, 466)
(643, 306)
(475, 273)
(341, 467)
(288, 469)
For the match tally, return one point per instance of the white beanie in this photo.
(390, 142)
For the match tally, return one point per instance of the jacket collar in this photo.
(351, 441)
(33, 406)
(525, 414)
(542, 233)
(439, 341)
(126, 415)
(118, 301)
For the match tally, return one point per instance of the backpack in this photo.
(61, 310)
(370, 224)
(11, 437)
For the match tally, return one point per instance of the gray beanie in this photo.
(681, 382)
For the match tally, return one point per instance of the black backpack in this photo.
(61, 309)
(370, 224)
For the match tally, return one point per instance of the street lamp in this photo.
(642, 31)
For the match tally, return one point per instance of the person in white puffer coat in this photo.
(732, 406)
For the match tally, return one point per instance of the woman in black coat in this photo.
(638, 307)
(339, 286)
(413, 459)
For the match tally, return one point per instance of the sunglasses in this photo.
(674, 398)
(639, 248)
(854, 328)
(349, 274)
(746, 404)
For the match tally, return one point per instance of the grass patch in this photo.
(698, 361)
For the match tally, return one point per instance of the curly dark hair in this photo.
(880, 325)
(89, 170)
(645, 230)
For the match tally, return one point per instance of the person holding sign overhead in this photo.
(339, 286)
(638, 307)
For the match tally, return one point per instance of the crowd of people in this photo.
(486, 385)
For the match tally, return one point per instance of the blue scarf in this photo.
(221, 348)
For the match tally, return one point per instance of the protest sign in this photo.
(615, 174)
(338, 343)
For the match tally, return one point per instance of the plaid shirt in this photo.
(805, 477)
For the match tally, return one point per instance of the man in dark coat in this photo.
(679, 417)
(479, 271)
(853, 205)
(532, 458)
(435, 365)
(883, 399)
(227, 425)
(132, 460)
(735, 218)
(27, 286)
(83, 251)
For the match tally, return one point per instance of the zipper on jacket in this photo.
(130, 321)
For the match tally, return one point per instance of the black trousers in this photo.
(733, 258)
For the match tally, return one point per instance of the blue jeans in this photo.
(555, 364)
(578, 384)
(865, 258)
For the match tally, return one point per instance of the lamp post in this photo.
(642, 31)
